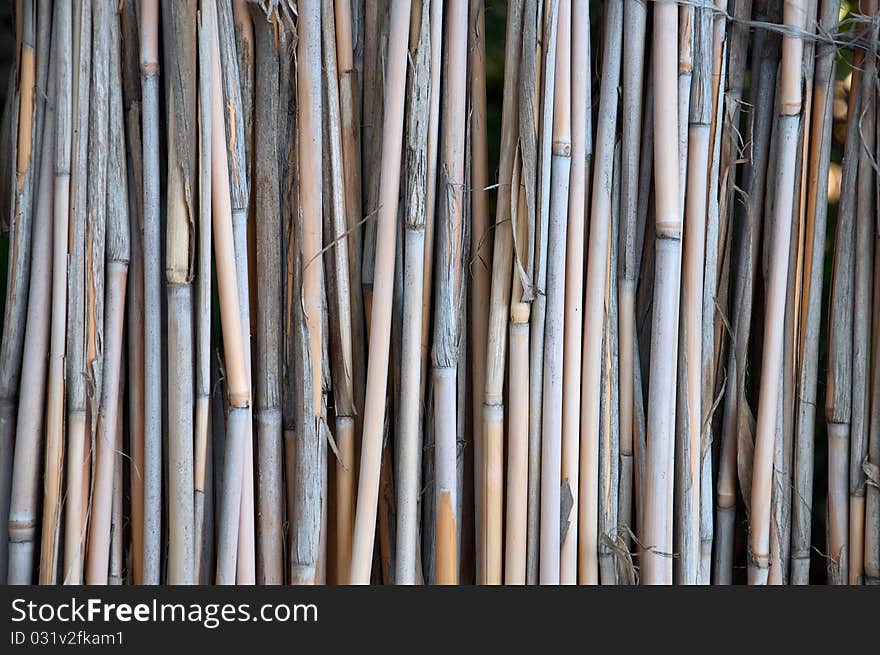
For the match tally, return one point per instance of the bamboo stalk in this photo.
(581, 154)
(551, 455)
(377, 372)
(817, 213)
(152, 461)
(23, 510)
(202, 399)
(657, 564)
(597, 271)
(54, 456)
(180, 40)
(19, 260)
(108, 435)
(408, 467)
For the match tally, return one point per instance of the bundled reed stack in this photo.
(610, 379)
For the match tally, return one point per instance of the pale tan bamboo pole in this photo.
(27, 150)
(237, 383)
(816, 221)
(633, 65)
(409, 457)
(551, 437)
(54, 451)
(794, 15)
(116, 192)
(499, 309)
(349, 102)
(688, 524)
(480, 267)
(23, 508)
(597, 271)
(449, 298)
(75, 402)
(656, 567)
(380, 330)
(581, 128)
(152, 465)
(202, 303)
(339, 298)
(180, 41)
(866, 211)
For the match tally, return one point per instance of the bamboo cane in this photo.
(267, 370)
(23, 509)
(238, 388)
(108, 435)
(690, 445)
(152, 462)
(377, 372)
(862, 292)
(180, 41)
(657, 565)
(244, 48)
(817, 212)
(117, 547)
(872, 502)
(418, 109)
(480, 262)
(19, 261)
(581, 153)
(597, 270)
(551, 455)
(202, 399)
(54, 456)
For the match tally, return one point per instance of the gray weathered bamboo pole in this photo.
(180, 43)
(817, 216)
(152, 463)
(409, 407)
(380, 330)
(107, 435)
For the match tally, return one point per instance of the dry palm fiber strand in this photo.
(349, 299)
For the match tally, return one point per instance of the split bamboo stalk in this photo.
(268, 39)
(152, 461)
(180, 43)
(762, 467)
(308, 510)
(656, 568)
(380, 320)
(864, 255)
(690, 444)
(551, 437)
(19, 259)
(339, 299)
(499, 309)
(597, 272)
(409, 406)
(237, 382)
(633, 72)
(581, 154)
(108, 435)
(202, 401)
(244, 49)
(449, 298)
(54, 457)
(872, 501)
(75, 403)
(24, 497)
(480, 267)
(117, 546)
(816, 221)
